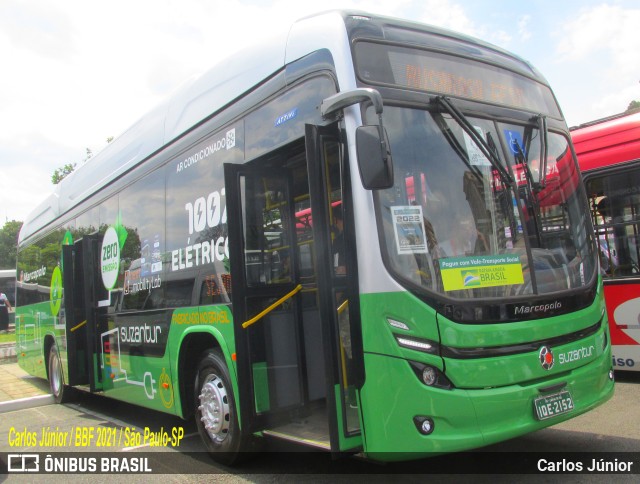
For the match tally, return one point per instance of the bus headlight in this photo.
(431, 376)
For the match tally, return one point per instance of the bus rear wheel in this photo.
(61, 392)
(215, 411)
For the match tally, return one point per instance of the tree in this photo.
(60, 173)
(9, 244)
(633, 106)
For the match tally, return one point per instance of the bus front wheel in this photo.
(215, 411)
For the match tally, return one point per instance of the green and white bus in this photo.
(366, 235)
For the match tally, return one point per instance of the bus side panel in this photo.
(39, 313)
(36, 331)
(141, 365)
(135, 362)
(623, 309)
(30, 331)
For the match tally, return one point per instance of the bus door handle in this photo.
(280, 301)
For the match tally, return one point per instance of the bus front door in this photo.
(287, 299)
(329, 182)
(267, 296)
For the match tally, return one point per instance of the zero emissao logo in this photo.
(110, 258)
(113, 241)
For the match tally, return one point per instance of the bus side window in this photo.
(615, 212)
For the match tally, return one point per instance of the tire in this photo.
(216, 412)
(61, 392)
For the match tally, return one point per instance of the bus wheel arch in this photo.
(191, 350)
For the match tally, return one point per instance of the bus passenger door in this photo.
(81, 296)
(337, 283)
(266, 294)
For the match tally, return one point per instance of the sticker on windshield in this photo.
(480, 271)
(408, 225)
(515, 142)
(476, 156)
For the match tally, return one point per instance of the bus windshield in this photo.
(454, 226)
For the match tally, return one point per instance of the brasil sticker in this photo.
(475, 272)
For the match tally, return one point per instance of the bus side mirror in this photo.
(374, 157)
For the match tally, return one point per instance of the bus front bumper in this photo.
(393, 407)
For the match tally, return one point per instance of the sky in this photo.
(76, 72)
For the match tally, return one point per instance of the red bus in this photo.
(609, 156)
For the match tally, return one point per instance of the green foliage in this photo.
(8, 338)
(45, 253)
(9, 244)
(60, 173)
(633, 106)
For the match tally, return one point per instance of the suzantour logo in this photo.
(575, 355)
(546, 357)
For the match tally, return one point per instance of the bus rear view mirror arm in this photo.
(374, 157)
(342, 100)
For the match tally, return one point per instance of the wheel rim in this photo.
(56, 376)
(214, 408)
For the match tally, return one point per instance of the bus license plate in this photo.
(552, 405)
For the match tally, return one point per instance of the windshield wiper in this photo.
(468, 128)
(541, 122)
(542, 129)
(532, 188)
